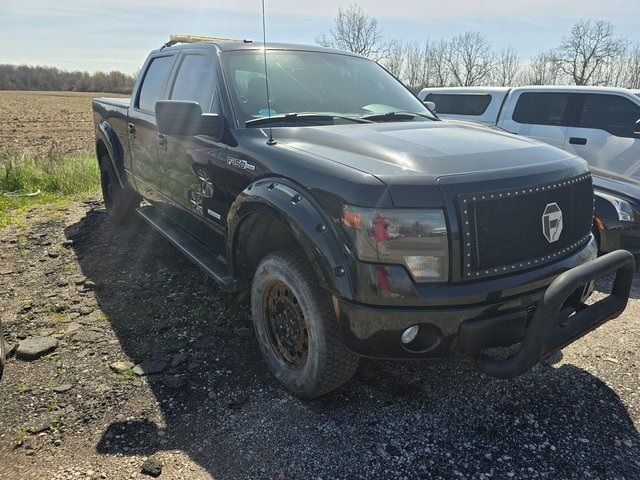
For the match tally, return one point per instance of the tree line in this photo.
(23, 77)
(590, 54)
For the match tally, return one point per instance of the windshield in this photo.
(314, 82)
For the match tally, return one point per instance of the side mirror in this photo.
(186, 118)
(430, 105)
(636, 129)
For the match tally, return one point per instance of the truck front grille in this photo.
(503, 231)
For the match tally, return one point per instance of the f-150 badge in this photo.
(552, 222)
(238, 163)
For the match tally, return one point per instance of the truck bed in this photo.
(120, 102)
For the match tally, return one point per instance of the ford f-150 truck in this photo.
(362, 224)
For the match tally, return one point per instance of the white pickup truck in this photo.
(599, 124)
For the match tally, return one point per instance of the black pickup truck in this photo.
(362, 224)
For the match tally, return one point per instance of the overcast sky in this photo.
(118, 34)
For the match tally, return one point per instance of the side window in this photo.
(194, 81)
(542, 108)
(612, 113)
(455, 104)
(153, 83)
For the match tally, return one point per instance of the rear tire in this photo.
(297, 328)
(120, 203)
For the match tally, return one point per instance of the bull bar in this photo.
(552, 328)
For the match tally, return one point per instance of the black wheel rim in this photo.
(285, 325)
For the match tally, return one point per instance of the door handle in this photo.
(577, 141)
(131, 128)
(162, 140)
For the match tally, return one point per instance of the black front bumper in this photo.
(544, 321)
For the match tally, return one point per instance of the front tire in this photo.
(119, 202)
(296, 327)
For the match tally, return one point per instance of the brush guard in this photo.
(552, 327)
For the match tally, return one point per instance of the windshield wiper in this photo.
(399, 115)
(302, 117)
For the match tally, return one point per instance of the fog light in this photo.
(410, 334)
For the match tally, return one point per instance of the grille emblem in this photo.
(552, 222)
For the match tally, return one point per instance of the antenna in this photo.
(270, 141)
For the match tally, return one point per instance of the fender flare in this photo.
(313, 229)
(110, 140)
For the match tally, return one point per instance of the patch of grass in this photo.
(175, 347)
(22, 388)
(52, 406)
(57, 423)
(22, 433)
(141, 356)
(127, 374)
(58, 178)
(199, 313)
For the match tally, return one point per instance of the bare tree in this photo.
(592, 54)
(633, 68)
(507, 67)
(542, 70)
(470, 59)
(439, 73)
(356, 31)
(394, 60)
(416, 65)
(589, 46)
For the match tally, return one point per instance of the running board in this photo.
(198, 253)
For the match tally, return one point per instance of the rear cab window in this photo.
(542, 108)
(472, 104)
(155, 78)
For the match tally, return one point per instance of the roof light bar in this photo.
(182, 38)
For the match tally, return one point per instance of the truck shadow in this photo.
(417, 419)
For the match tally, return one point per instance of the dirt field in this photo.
(40, 123)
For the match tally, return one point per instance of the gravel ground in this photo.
(205, 406)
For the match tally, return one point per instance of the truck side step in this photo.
(197, 252)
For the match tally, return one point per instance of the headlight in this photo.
(416, 239)
(623, 208)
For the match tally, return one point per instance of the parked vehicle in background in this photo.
(599, 124)
(617, 211)
(362, 224)
(596, 123)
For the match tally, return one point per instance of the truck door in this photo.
(603, 134)
(193, 166)
(541, 115)
(142, 130)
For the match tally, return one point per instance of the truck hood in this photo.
(409, 156)
(424, 149)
